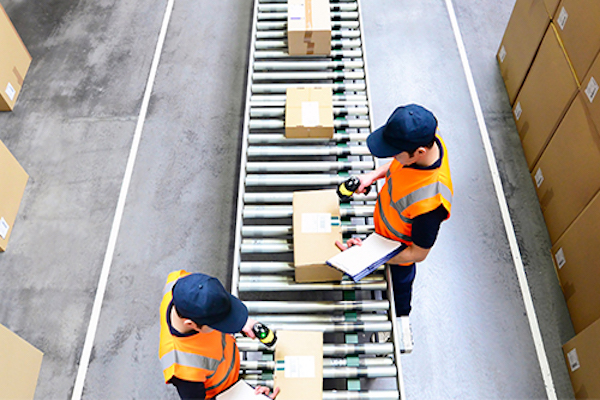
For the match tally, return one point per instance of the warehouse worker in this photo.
(417, 194)
(197, 352)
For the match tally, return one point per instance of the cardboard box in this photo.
(567, 174)
(545, 96)
(551, 7)
(14, 63)
(309, 27)
(524, 33)
(20, 365)
(579, 30)
(299, 365)
(317, 225)
(582, 355)
(576, 254)
(309, 113)
(13, 180)
(589, 87)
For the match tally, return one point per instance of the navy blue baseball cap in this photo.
(408, 128)
(205, 301)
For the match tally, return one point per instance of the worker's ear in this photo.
(420, 151)
(188, 323)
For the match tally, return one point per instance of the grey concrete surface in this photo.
(72, 130)
(471, 333)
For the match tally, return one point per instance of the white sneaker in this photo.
(405, 334)
(381, 337)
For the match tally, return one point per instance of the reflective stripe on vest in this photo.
(169, 287)
(223, 345)
(420, 194)
(389, 226)
(188, 360)
(229, 369)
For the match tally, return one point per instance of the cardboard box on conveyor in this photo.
(299, 365)
(309, 27)
(309, 112)
(316, 225)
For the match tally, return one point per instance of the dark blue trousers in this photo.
(403, 277)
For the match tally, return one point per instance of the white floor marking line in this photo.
(114, 232)
(510, 231)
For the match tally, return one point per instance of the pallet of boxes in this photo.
(549, 59)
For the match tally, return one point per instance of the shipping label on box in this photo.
(309, 113)
(299, 365)
(309, 27)
(316, 225)
(14, 63)
(590, 87)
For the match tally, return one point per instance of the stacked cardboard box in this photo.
(13, 180)
(567, 174)
(14, 63)
(576, 254)
(545, 96)
(526, 28)
(579, 30)
(557, 114)
(20, 365)
(581, 355)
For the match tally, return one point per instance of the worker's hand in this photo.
(265, 390)
(349, 243)
(247, 329)
(366, 180)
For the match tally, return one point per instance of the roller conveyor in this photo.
(272, 168)
(327, 362)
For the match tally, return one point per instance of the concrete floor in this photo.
(72, 130)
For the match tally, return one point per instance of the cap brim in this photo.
(235, 321)
(379, 147)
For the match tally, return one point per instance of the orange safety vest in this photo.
(212, 358)
(408, 193)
